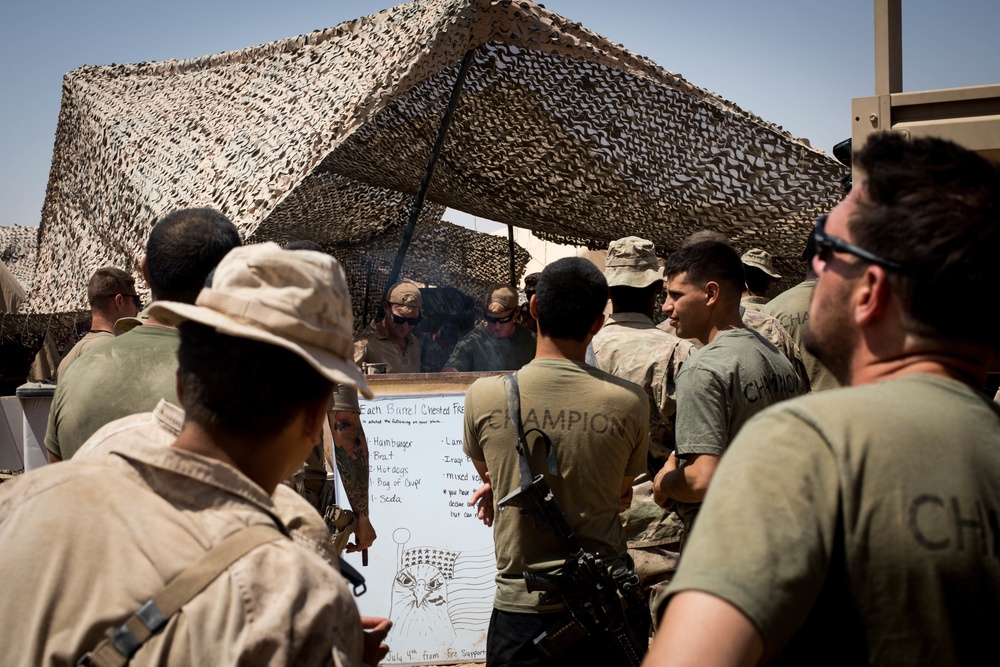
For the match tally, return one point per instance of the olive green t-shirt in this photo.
(599, 427)
(478, 351)
(119, 378)
(860, 526)
(720, 387)
(791, 307)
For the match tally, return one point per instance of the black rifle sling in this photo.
(514, 409)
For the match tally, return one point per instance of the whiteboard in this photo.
(432, 567)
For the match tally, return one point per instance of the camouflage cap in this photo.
(632, 263)
(405, 296)
(761, 259)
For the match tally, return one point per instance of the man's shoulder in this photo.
(791, 300)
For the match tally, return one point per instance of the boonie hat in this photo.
(405, 296)
(632, 262)
(500, 299)
(295, 299)
(761, 259)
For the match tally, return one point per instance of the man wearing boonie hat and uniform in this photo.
(391, 340)
(632, 348)
(91, 544)
(501, 344)
(760, 274)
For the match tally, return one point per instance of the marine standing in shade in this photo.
(392, 340)
(501, 344)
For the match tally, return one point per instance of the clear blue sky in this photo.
(796, 63)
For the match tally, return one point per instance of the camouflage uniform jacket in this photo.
(632, 348)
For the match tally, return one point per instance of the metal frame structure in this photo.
(969, 116)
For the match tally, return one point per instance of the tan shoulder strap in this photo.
(117, 649)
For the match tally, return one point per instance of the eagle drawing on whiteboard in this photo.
(420, 597)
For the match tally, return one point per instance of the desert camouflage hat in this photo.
(405, 296)
(295, 299)
(632, 262)
(761, 259)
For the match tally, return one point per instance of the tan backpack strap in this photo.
(117, 649)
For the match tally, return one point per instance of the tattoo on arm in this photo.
(351, 451)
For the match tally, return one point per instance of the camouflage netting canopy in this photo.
(326, 137)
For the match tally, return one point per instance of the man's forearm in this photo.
(677, 486)
(351, 451)
(684, 483)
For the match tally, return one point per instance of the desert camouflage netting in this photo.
(326, 137)
(17, 252)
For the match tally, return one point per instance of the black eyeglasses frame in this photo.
(826, 244)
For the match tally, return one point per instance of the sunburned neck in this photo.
(230, 450)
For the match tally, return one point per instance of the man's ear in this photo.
(314, 413)
(712, 292)
(871, 295)
(145, 271)
(596, 326)
(532, 307)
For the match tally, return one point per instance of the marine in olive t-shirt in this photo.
(720, 387)
(599, 426)
(859, 526)
(121, 377)
(791, 307)
(478, 351)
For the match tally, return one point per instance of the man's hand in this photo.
(484, 498)
(660, 496)
(375, 630)
(364, 535)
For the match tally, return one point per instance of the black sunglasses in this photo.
(136, 299)
(412, 321)
(499, 320)
(826, 245)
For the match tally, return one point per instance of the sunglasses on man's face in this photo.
(136, 299)
(412, 321)
(499, 320)
(826, 245)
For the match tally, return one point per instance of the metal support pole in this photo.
(510, 254)
(425, 183)
(888, 48)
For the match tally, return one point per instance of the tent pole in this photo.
(510, 254)
(425, 183)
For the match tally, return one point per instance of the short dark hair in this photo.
(571, 294)
(708, 261)
(933, 207)
(756, 279)
(106, 283)
(241, 386)
(183, 247)
(626, 299)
